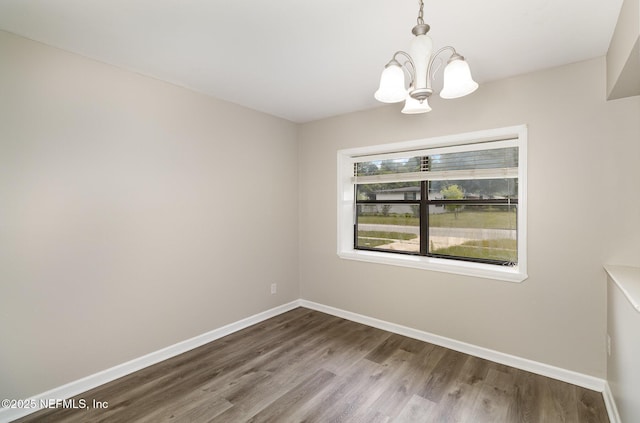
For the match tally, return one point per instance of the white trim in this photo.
(498, 134)
(513, 135)
(466, 268)
(553, 372)
(610, 403)
(82, 385)
(627, 279)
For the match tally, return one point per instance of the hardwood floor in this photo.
(306, 366)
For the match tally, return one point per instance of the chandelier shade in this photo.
(391, 88)
(418, 64)
(413, 106)
(457, 79)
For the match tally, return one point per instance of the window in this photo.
(454, 204)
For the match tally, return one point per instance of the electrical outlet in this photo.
(608, 345)
(274, 288)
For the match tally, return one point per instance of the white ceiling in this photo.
(304, 60)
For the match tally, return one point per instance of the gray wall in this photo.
(584, 211)
(122, 229)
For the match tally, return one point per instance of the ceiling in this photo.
(303, 60)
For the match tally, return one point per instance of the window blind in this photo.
(477, 161)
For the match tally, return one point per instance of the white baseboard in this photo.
(609, 401)
(564, 375)
(82, 385)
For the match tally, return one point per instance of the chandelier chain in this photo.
(421, 13)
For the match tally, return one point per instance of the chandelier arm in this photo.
(411, 69)
(430, 70)
(436, 67)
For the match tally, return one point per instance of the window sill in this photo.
(480, 270)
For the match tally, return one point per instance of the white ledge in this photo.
(628, 280)
(459, 267)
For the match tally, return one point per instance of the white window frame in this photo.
(346, 206)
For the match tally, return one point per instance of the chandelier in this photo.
(419, 65)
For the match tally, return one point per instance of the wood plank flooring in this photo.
(306, 366)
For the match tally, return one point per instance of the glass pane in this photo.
(389, 191)
(474, 231)
(478, 189)
(388, 227)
